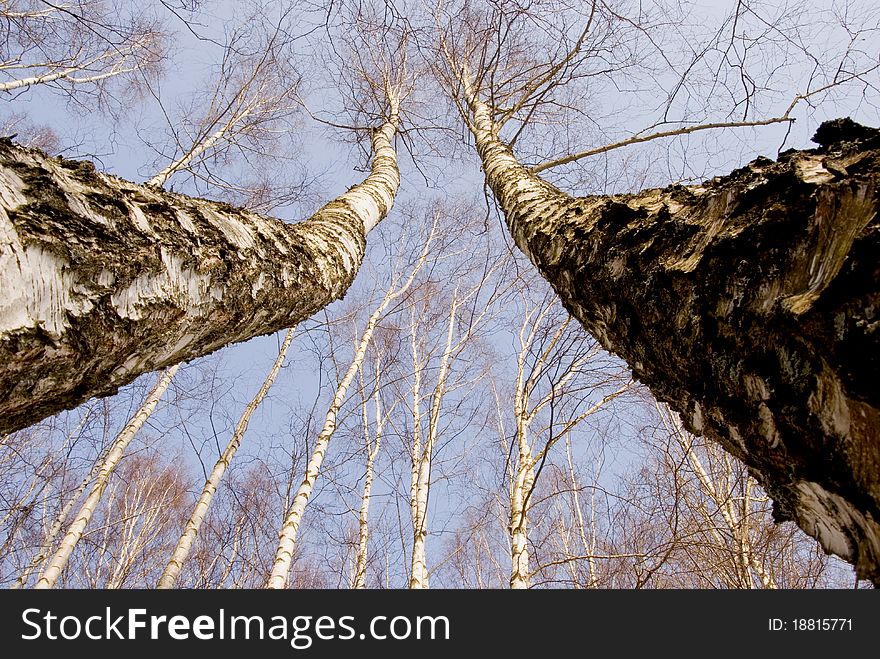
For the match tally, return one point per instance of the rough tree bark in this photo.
(102, 280)
(748, 303)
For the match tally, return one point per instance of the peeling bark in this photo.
(102, 280)
(749, 303)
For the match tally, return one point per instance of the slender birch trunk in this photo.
(191, 530)
(520, 574)
(524, 477)
(524, 412)
(416, 457)
(293, 518)
(371, 448)
(423, 453)
(66, 75)
(59, 560)
(198, 149)
(57, 525)
(102, 280)
(589, 548)
(744, 302)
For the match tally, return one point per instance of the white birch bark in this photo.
(423, 453)
(114, 455)
(67, 76)
(588, 547)
(529, 455)
(416, 447)
(191, 530)
(293, 518)
(116, 61)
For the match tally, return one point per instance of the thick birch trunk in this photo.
(102, 280)
(114, 455)
(191, 530)
(748, 303)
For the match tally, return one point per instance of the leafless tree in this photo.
(78, 48)
(658, 277)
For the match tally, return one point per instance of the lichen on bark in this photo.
(102, 279)
(750, 303)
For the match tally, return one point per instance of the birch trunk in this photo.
(371, 447)
(524, 479)
(520, 573)
(197, 149)
(360, 573)
(102, 280)
(287, 536)
(56, 527)
(417, 561)
(748, 303)
(114, 455)
(191, 530)
(423, 453)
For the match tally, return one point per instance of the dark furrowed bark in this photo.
(751, 304)
(102, 280)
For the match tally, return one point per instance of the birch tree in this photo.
(438, 336)
(243, 122)
(749, 355)
(551, 365)
(144, 506)
(77, 527)
(191, 530)
(372, 444)
(138, 281)
(58, 524)
(293, 518)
